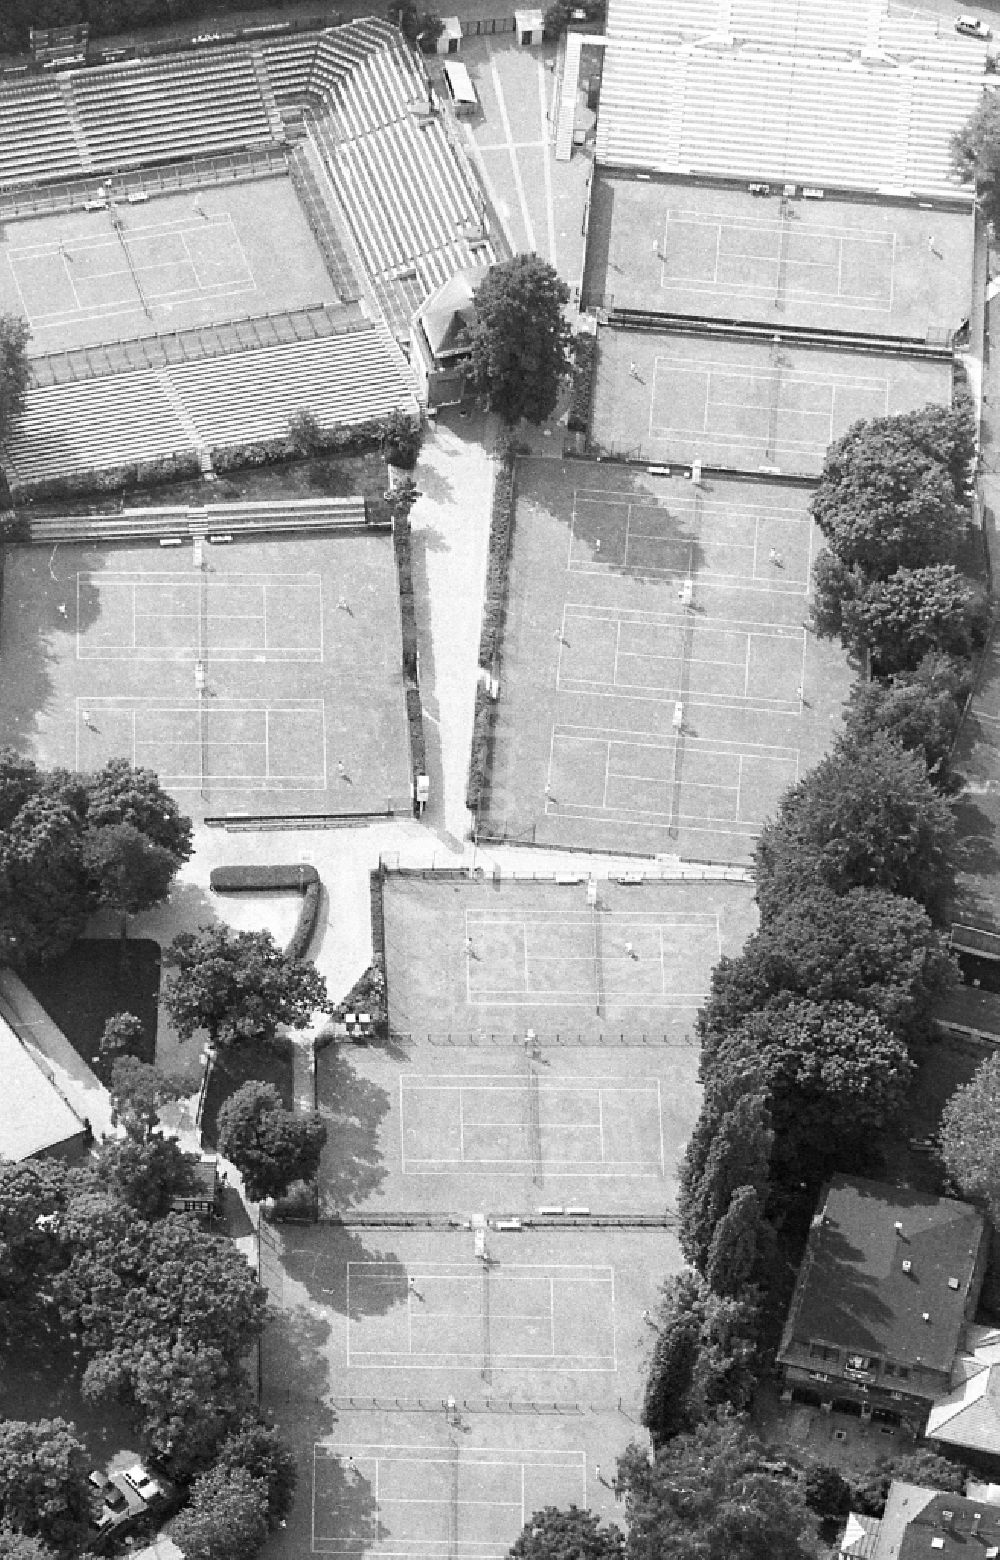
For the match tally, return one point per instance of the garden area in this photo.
(95, 979)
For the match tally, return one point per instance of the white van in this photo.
(460, 89)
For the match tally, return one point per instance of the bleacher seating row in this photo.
(249, 396)
(321, 514)
(406, 193)
(111, 116)
(818, 120)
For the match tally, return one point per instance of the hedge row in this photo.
(482, 729)
(367, 995)
(407, 608)
(305, 926)
(109, 479)
(501, 523)
(236, 880)
(415, 721)
(584, 364)
(377, 916)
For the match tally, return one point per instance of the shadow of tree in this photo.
(318, 1257)
(45, 604)
(352, 1107)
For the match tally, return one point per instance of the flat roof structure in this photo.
(36, 1118)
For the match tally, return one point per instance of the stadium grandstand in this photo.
(119, 229)
(859, 96)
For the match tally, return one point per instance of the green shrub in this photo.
(298, 943)
(584, 364)
(482, 730)
(501, 525)
(235, 880)
(415, 720)
(400, 439)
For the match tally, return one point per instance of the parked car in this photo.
(125, 1496)
(972, 27)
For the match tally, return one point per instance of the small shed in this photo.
(201, 1199)
(529, 26)
(450, 40)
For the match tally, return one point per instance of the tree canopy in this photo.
(146, 1173)
(520, 339)
(14, 370)
(705, 1357)
(869, 946)
(833, 1075)
(893, 490)
(258, 1450)
(866, 816)
(270, 1146)
(572, 1534)
(139, 1092)
(970, 1136)
(237, 986)
(921, 709)
(710, 1495)
(122, 794)
(730, 1148)
(225, 1517)
(34, 1195)
(44, 1491)
(975, 153)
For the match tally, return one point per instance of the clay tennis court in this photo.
(251, 681)
(660, 688)
(677, 247)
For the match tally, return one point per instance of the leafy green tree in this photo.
(165, 1314)
(225, 1518)
(43, 896)
(573, 1534)
(870, 1490)
(914, 613)
(712, 1495)
(33, 1202)
(14, 370)
(729, 1148)
(147, 1173)
(120, 793)
(975, 154)
(139, 1092)
(736, 1244)
(400, 439)
(866, 816)
(259, 1450)
(18, 1546)
(868, 946)
(128, 872)
(827, 1492)
(43, 1482)
(666, 1408)
(893, 492)
(520, 339)
(270, 1146)
(970, 1136)
(921, 709)
(705, 1357)
(238, 986)
(835, 1078)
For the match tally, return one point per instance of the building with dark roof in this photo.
(924, 1524)
(889, 1279)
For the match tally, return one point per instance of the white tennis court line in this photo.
(588, 1089)
(502, 1275)
(378, 1456)
(188, 586)
(694, 747)
(749, 375)
(131, 707)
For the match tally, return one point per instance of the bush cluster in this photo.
(260, 880)
(482, 732)
(111, 479)
(501, 527)
(368, 995)
(377, 913)
(407, 606)
(298, 944)
(584, 364)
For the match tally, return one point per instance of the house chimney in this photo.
(907, 1266)
(953, 1283)
(927, 1316)
(898, 1226)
